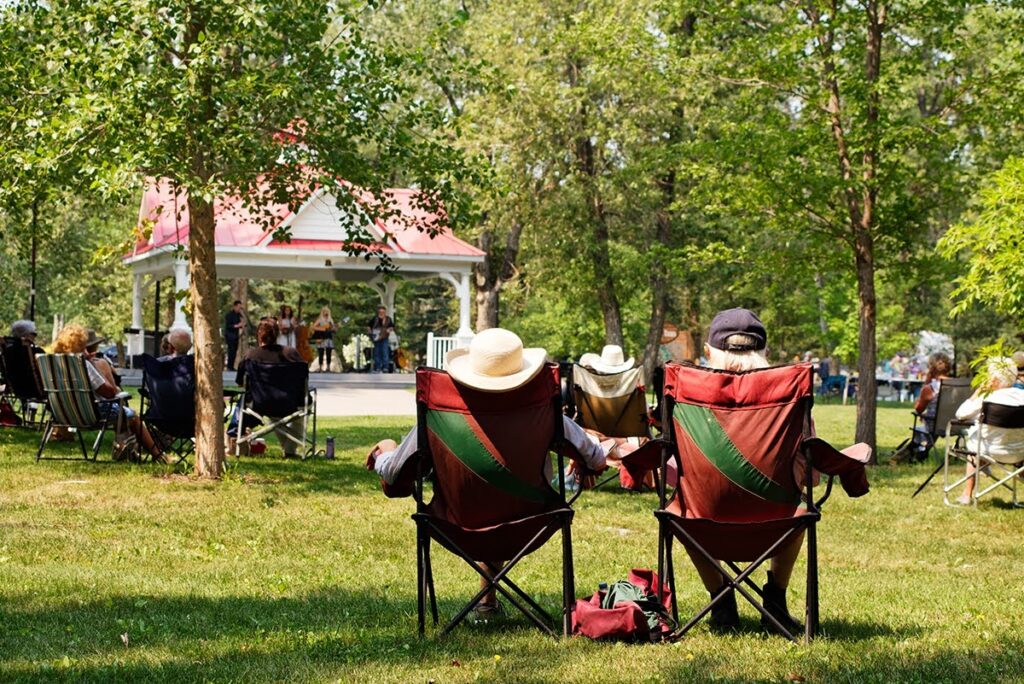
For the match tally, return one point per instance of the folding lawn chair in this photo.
(169, 403)
(952, 393)
(1004, 470)
(273, 396)
(615, 405)
(22, 383)
(492, 501)
(72, 404)
(737, 436)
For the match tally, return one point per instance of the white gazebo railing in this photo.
(437, 347)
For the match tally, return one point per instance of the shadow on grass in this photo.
(263, 638)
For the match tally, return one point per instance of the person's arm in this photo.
(594, 455)
(924, 399)
(387, 460)
(970, 409)
(100, 385)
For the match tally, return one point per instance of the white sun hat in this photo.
(610, 360)
(494, 362)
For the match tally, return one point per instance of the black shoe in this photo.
(724, 615)
(775, 604)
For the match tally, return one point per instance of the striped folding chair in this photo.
(71, 402)
(737, 437)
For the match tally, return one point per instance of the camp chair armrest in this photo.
(121, 396)
(847, 465)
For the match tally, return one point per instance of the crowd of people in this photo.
(319, 336)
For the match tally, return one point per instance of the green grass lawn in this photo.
(291, 571)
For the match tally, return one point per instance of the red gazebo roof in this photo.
(238, 226)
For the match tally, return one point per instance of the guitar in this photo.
(306, 352)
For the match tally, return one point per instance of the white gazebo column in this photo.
(386, 291)
(134, 342)
(465, 334)
(180, 283)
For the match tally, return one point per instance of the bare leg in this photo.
(969, 485)
(711, 578)
(490, 598)
(785, 559)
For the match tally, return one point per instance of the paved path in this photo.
(344, 394)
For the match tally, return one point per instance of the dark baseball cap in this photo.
(737, 322)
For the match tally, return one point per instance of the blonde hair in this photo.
(326, 310)
(71, 340)
(736, 360)
(1002, 372)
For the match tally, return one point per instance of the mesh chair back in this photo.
(1002, 416)
(489, 449)
(170, 385)
(737, 436)
(21, 372)
(952, 393)
(68, 390)
(613, 404)
(276, 389)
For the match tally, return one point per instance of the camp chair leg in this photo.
(568, 578)
(811, 618)
(495, 582)
(420, 581)
(671, 572)
(428, 566)
(47, 433)
(81, 442)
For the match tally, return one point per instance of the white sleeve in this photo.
(96, 379)
(592, 452)
(390, 463)
(970, 409)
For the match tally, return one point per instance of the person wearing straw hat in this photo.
(610, 361)
(497, 362)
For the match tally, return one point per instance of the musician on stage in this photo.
(379, 327)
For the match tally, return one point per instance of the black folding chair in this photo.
(274, 396)
(22, 382)
(952, 393)
(169, 404)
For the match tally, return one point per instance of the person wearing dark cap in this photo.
(737, 341)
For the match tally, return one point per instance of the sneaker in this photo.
(775, 604)
(486, 612)
(724, 615)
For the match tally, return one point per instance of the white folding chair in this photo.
(1003, 469)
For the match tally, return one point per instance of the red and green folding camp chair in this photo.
(492, 499)
(615, 405)
(71, 402)
(737, 437)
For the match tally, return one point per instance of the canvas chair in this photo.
(71, 402)
(737, 437)
(952, 393)
(1004, 471)
(615, 405)
(169, 404)
(280, 390)
(492, 502)
(22, 383)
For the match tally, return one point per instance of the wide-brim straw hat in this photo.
(609, 361)
(495, 362)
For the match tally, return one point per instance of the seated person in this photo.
(177, 342)
(610, 362)
(1005, 386)
(74, 339)
(486, 359)
(25, 331)
(269, 351)
(939, 366)
(737, 341)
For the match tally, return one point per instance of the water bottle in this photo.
(329, 452)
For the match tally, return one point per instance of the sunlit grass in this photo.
(303, 571)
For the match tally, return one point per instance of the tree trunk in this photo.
(658, 277)
(586, 163)
(491, 275)
(240, 292)
(866, 361)
(208, 349)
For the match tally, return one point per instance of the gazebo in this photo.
(246, 248)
